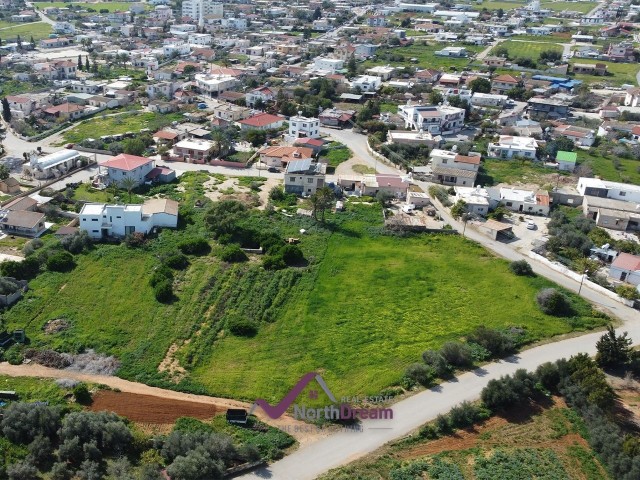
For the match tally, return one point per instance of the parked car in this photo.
(273, 170)
(531, 225)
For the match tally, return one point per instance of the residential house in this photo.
(547, 108)
(632, 98)
(22, 222)
(614, 214)
(436, 119)
(214, 85)
(161, 175)
(52, 165)
(366, 83)
(193, 151)
(626, 268)
(160, 89)
(230, 112)
(503, 83)
(261, 95)
(525, 201)
(395, 185)
(451, 168)
(101, 220)
(262, 121)
(494, 61)
(621, 52)
(127, 166)
(479, 99)
(300, 126)
(21, 105)
(607, 189)
(583, 137)
(55, 42)
(333, 117)
(9, 185)
(329, 65)
(566, 160)
(26, 204)
(384, 72)
(477, 199)
(280, 156)
(508, 147)
(65, 111)
(304, 177)
(599, 69)
(428, 75)
(457, 52)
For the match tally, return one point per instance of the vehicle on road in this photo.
(531, 225)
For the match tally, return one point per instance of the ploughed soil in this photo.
(149, 409)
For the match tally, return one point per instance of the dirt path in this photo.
(299, 430)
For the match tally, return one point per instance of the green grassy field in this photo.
(622, 72)
(553, 38)
(376, 303)
(424, 54)
(129, 122)
(628, 170)
(37, 30)
(528, 49)
(495, 5)
(494, 172)
(582, 7)
(111, 6)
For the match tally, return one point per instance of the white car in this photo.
(531, 225)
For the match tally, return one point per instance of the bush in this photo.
(548, 376)
(553, 302)
(134, 240)
(8, 286)
(82, 394)
(77, 243)
(507, 391)
(628, 291)
(497, 343)
(457, 354)
(435, 360)
(421, 373)
(521, 267)
(195, 246)
(291, 254)
(161, 274)
(60, 262)
(273, 262)
(177, 261)
(14, 355)
(277, 194)
(242, 327)
(466, 414)
(32, 246)
(233, 253)
(24, 270)
(163, 291)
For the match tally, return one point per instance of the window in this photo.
(292, 179)
(444, 160)
(118, 216)
(94, 219)
(309, 180)
(623, 194)
(509, 204)
(95, 231)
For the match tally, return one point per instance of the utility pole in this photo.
(582, 280)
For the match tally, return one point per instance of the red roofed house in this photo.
(21, 105)
(262, 94)
(65, 111)
(161, 175)
(503, 83)
(279, 156)
(315, 144)
(127, 166)
(165, 137)
(261, 121)
(626, 267)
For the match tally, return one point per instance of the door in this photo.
(623, 276)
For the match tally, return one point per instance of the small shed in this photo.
(237, 416)
(496, 230)
(566, 160)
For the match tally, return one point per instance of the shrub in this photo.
(195, 246)
(507, 391)
(14, 355)
(77, 243)
(233, 253)
(553, 302)
(8, 286)
(242, 327)
(457, 354)
(277, 193)
(273, 262)
(177, 261)
(521, 267)
(495, 342)
(163, 291)
(421, 373)
(82, 394)
(60, 262)
(466, 414)
(32, 246)
(443, 424)
(435, 360)
(24, 270)
(22, 471)
(161, 274)
(627, 291)
(548, 376)
(134, 240)
(291, 254)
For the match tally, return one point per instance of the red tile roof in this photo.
(261, 120)
(626, 261)
(505, 79)
(126, 162)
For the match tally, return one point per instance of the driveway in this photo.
(358, 145)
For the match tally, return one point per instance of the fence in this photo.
(6, 300)
(579, 278)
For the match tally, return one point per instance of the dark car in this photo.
(273, 170)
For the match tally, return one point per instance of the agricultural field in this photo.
(582, 7)
(37, 30)
(111, 6)
(531, 50)
(621, 73)
(335, 153)
(117, 124)
(534, 442)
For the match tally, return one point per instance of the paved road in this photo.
(358, 145)
(339, 449)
